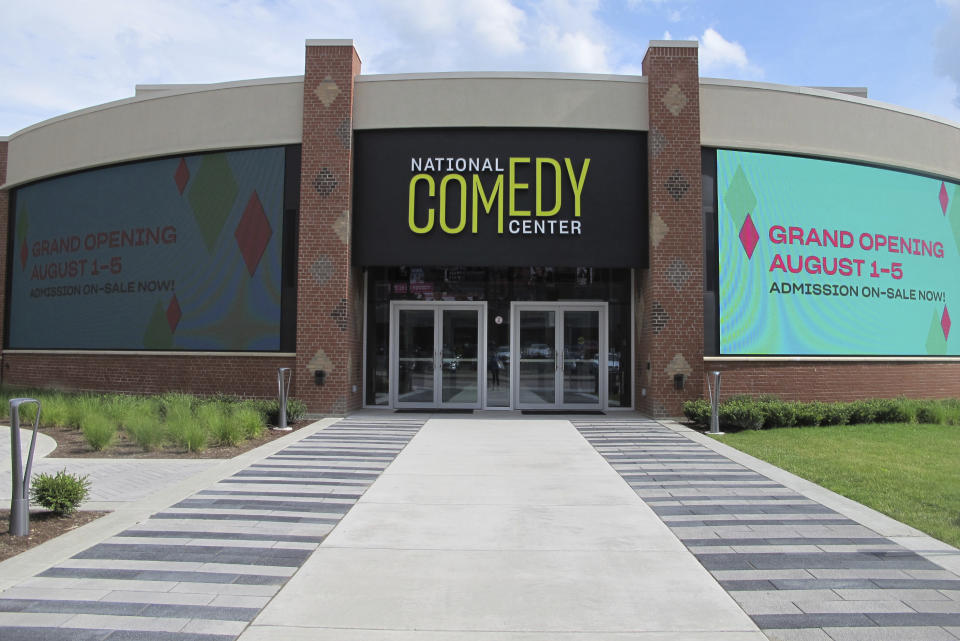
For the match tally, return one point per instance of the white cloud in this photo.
(720, 56)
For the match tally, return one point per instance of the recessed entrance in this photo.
(436, 353)
(559, 355)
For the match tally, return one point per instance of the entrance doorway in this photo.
(435, 354)
(560, 357)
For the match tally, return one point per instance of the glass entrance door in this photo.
(559, 358)
(436, 355)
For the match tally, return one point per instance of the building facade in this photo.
(532, 241)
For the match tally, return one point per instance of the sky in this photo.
(62, 55)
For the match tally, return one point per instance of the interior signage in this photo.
(500, 197)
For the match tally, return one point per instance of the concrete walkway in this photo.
(501, 529)
(478, 528)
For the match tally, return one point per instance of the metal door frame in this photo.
(438, 307)
(558, 350)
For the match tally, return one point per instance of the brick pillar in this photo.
(671, 291)
(329, 318)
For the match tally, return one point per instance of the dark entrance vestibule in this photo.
(519, 337)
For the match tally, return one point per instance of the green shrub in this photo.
(270, 409)
(146, 430)
(742, 413)
(80, 407)
(99, 431)
(777, 413)
(55, 410)
(183, 428)
(217, 418)
(119, 408)
(933, 412)
(249, 421)
(810, 414)
(62, 493)
(697, 411)
(865, 411)
(836, 414)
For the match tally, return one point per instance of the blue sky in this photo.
(59, 55)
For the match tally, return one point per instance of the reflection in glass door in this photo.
(536, 357)
(460, 371)
(415, 353)
(436, 355)
(581, 363)
(560, 353)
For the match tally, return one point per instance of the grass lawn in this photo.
(909, 472)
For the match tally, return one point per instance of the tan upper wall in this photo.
(157, 123)
(173, 119)
(764, 117)
(501, 100)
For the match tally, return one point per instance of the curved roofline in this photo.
(155, 92)
(501, 75)
(826, 93)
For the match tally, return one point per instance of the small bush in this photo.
(697, 411)
(249, 421)
(836, 414)
(146, 431)
(99, 431)
(55, 410)
(931, 412)
(270, 410)
(742, 413)
(777, 413)
(183, 428)
(864, 411)
(62, 493)
(810, 414)
(218, 420)
(80, 407)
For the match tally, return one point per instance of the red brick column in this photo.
(329, 318)
(671, 291)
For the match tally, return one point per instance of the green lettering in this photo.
(577, 183)
(431, 191)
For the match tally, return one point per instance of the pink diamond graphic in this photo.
(944, 199)
(945, 323)
(173, 314)
(182, 175)
(749, 236)
(24, 254)
(253, 233)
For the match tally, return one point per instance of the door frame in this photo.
(437, 307)
(602, 353)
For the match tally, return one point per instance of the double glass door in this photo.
(560, 355)
(436, 351)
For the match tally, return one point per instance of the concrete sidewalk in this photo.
(501, 529)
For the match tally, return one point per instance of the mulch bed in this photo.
(71, 444)
(43, 527)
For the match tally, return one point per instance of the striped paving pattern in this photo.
(800, 570)
(202, 569)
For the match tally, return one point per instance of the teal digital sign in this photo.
(818, 257)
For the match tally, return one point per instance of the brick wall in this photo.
(254, 376)
(670, 292)
(838, 381)
(329, 317)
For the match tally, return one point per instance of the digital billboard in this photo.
(180, 253)
(818, 257)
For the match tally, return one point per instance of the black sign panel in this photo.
(500, 197)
